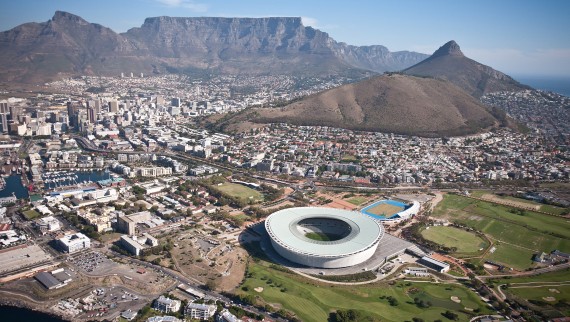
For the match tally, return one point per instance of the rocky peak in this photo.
(66, 17)
(450, 48)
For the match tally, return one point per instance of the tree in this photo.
(450, 315)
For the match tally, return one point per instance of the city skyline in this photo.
(521, 39)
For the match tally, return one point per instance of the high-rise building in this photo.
(175, 102)
(113, 106)
(15, 112)
(4, 112)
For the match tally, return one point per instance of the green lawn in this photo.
(558, 276)
(538, 292)
(519, 258)
(239, 191)
(31, 214)
(321, 236)
(313, 301)
(518, 237)
(357, 201)
(539, 288)
(465, 242)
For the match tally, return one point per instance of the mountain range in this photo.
(67, 45)
(437, 97)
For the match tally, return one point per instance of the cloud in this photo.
(187, 4)
(309, 21)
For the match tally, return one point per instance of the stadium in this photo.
(324, 237)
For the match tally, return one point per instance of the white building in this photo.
(74, 242)
(167, 305)
(199, 311)
(226, 316)
(48, 224)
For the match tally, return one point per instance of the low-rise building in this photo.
(74, 242)
(167, 305)
(226, 316)
(48, 224)
(434, 264)
(199, 311)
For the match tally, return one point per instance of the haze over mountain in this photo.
(68, 45)
(388, 103)
(448, 62)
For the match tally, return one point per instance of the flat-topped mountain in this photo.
(389, 103)
(448, 62)
(68, 45)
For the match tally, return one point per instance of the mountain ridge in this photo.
(449, 63)
(68, 45)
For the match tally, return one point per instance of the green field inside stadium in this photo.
(320, 236)
(466, 243)
(314, 301)
(516, 236)
(239, 191)
(384, 209)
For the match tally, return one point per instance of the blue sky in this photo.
(519, 37)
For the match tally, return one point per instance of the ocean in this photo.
(560, 85)
(10, 314)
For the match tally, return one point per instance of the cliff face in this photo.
(68, 45)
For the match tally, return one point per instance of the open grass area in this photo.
(465, 242)
(314, 301)
(558, 276)
(539, 292)
(547, 290)
(240, 191)
(357, 201)
(31, 214)
(541, 207)
(517, 236)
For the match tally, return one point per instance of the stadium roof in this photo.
(282, 227)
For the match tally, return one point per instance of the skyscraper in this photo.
(4, 112)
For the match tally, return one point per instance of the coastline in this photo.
(20, 304)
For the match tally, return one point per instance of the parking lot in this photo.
(92, 262)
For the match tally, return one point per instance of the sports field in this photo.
(467, 243)
(239, 191)
(384, 208)
(313, 301)
(516, 237)
(31, 214)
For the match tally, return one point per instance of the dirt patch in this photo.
(553, 290)
(549, 299)
(222, 267)
(509, 202)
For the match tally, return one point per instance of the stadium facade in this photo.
(324, 237)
